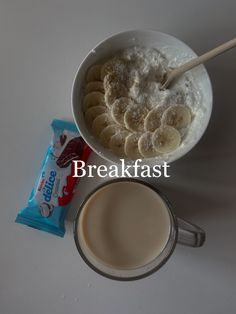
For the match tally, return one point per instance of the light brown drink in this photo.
(124, 225)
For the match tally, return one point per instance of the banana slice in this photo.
(119, 108)
(166, 139)
(114, 66)
(94, 73)
(92, 113)
(100, 123)
(145, 145)
(107, 133)
(134, 117)
(131, 146)
(114, 88)
(153, 119)
(113, 92)
(93, 99)
(94, 86)
(111, 79)
(117, 143)
(178, 116)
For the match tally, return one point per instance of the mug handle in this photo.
(190, 234)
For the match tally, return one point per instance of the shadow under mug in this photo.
(181, 231)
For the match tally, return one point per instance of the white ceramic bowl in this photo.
(173, 49)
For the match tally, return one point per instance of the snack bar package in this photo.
(54, 188)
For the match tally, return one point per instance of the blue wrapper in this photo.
(53, 191)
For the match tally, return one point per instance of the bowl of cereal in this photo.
(120, 109)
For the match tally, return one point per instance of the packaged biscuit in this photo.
(54, 188)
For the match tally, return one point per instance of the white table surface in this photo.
(41, 45)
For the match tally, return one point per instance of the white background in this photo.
(41, 45)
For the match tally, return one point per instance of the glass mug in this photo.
(159, 218)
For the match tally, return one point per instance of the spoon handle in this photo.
(199, 60)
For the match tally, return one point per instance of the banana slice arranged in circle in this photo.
(145, 145)
(94, 86)
(178, 116)
(117, 143)
(114, 66)
(153, 119)
(134, 117)
(93, 99)
(94, 73)
(107, 133)
(166, 139)
(131, 146)
(113, 92)
(111, 79)
(92, 113)
(100, 123)
(119, 108)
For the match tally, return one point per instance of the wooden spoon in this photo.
(170, 76)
